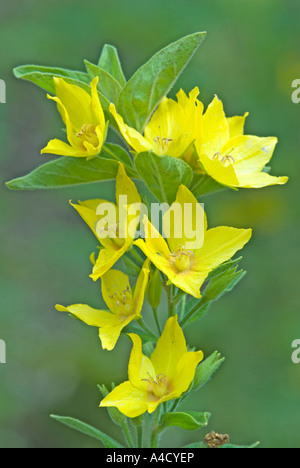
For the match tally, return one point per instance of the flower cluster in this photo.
(178, 151)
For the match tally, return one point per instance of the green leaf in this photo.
(63, 172)
(130, 267)
(190, 420)
(255, 445)
(145, 337)
(118, 153)
(108, 86)
(144, 91)
(109, 61)
(223, 283)
(43, 76)
(219, 282)
(224, 267)
(88, 430)
(206, 369)
(163, 174)
(196, 445)
(203, 184)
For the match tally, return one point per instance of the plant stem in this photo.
(155, 429)
(127, 434)
(170, 301)
(157, 320)
(140, 436)
(144, 327)
(190, 314)
(182, 308)
(136, 256)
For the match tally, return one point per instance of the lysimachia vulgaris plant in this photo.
(155, 244)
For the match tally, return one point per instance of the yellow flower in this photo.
(230, 157)
(165, 376)
(84, 119)
(123, 305)
(187, 267)
(172, 128)
(116, 236)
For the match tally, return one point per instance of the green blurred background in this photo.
(250, 58)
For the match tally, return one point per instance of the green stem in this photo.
(189, 315)
(127, 434)
(157, 320)
(144, 327)
(140, 436)
(136, 256)
(182, 308)
(155, 429)
(170, 301)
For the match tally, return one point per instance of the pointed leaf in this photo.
(63, 172)
(88, 430)
(144, 91)
(206, 369)
(163, 174)
(117, 153)
(190, 420)
(195, 445)
(108, 85)
(255, 445)
(43, 76)
(203, 184)
(109, 61)
(223, 283)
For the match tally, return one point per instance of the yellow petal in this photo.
(184, 218)
(174, 125)
(90, 316)
(225, 175)
(140, 367)
(236, 125)
(220, 244)
(110, 325)
(88, 211)
(63, 149)
(140, 288)
(185, 371)
(116, 292)
(109, 335)
(129, 400)
(99, 119)
(170, 348)
(250, 153)
(71, 130)
(125, 186)
(76, 101)
(106, 260)
(260, 179)
(190, 281)
(215, 129)
(133, 138)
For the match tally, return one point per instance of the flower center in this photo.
(225, 159)
(123, 299)
(158, 386)
(88, 133)
(182, 259)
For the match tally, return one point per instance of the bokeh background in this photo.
(250, 58)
